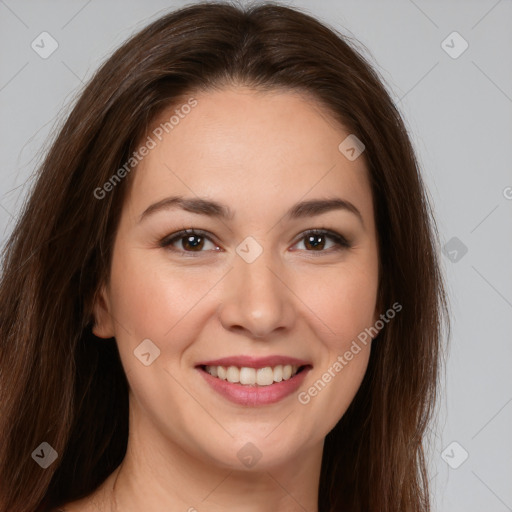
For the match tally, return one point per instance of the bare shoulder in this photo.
(87, 504)
(94, 502)
(76, 506)
(73, 507)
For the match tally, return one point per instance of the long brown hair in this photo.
(60, 385)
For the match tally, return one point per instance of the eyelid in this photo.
(167, 241)
(341, 241)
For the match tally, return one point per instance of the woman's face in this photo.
(252, 289)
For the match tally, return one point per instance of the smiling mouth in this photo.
(254, 376)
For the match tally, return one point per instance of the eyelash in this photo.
(341, 242)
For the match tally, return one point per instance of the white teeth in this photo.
(248, 376)
(221, 371)
(233, 374)
(265, 376)
(251, 376)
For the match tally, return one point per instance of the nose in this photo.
(257, 298)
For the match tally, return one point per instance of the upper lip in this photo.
(254, 362)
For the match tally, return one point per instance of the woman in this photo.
(223, 291)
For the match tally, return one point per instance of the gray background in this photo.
(458, 111)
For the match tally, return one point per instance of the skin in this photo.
(259, 153)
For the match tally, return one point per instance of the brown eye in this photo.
(187, 241)
(315, 241)
(194, 242)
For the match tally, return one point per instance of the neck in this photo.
(157, 474)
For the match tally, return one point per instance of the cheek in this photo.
(344, 302)
(147, 303)
(331, 390)
(151, 299)
(344, 315)
(149, 296)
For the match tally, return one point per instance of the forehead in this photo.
(261, 147)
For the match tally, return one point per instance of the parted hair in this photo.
(59, 385)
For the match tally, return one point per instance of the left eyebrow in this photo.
(319, 206)
(202, 206)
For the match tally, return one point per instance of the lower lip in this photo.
(255, 395)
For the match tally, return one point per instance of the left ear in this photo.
(379, 309)
(103, 326)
